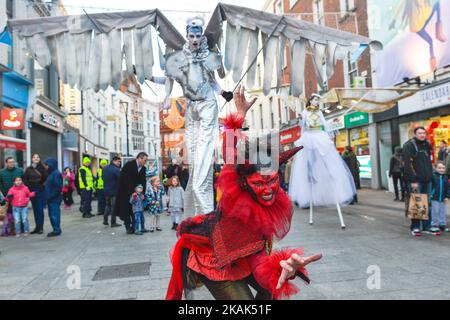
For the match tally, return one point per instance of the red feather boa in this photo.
(272, 221)
(268, 271)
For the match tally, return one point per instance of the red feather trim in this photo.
(187, 241)
(268, 272)
(272, 221)
(233, 121)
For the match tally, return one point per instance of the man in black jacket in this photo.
(442, 154)
(132, 174)
(111, 175)
(418, 171)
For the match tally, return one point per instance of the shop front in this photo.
(14, 94)
(288, 136)
(429, 108)
(46, 130)
(93, 151)
(357, 125)
(71, 154)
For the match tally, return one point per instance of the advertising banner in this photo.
(12, 119)
(415, 35)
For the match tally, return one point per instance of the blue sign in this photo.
(15, 90)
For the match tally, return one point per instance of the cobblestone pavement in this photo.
(377, 235)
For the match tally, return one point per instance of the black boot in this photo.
(174, 226)
(37, 230)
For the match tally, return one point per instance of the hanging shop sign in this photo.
(336, 123)
(12, 119)
(356, 119)
(426, 99)
(290, 135)
(45, 114)
(5, 144)
(50, 119)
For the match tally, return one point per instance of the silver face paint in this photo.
(194, 39)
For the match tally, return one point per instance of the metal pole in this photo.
(126, 120)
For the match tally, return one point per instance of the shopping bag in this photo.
(417, 206)
(3, 212)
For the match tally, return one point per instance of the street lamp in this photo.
(124, 106)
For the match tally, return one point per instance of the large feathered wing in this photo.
(88, 51)
(248, 30)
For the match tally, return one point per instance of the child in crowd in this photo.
(176, 204)
(439, 196)
(155, 202)
(19, 196)
(137, 201)
(7, 219)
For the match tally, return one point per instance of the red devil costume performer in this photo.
(231, 249)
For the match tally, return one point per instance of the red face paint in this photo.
(264, 188)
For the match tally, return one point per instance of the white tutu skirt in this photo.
(319, 176)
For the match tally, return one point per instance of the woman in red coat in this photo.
(230, 250)
(68, 187)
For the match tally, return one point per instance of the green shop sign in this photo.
(356, 119)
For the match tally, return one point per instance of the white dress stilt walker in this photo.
(320, 178)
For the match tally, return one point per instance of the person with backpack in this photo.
(419, 173)
(396, 173)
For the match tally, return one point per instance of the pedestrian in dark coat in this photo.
(132, 174)
(53, 187)
(184, 176)
(442, 154)
(7, 177)
(350, 159)
(173, 169)
(396, 172)
(111, 176)
(34, 178)
(418, 172)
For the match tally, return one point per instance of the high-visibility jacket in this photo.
(89, 178)
(100, 183)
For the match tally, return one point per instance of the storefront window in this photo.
(385, 149)
(359, 140)
(438, 129)
(341, 141)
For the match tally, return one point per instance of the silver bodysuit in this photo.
(194, 71)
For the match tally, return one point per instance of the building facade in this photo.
(281, 112)
(28, 89)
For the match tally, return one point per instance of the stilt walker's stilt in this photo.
(311, 213)
(340, 215)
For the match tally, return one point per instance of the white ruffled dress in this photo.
(319, 175)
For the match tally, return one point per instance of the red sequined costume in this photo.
(235, 242)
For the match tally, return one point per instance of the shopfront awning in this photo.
(370, 100)
(12, 143)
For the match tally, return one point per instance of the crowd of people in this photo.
(128, 193)
(134, 190)
(412, 171)
(42, 184)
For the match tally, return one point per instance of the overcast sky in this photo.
(177, 11)
(172, 8)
